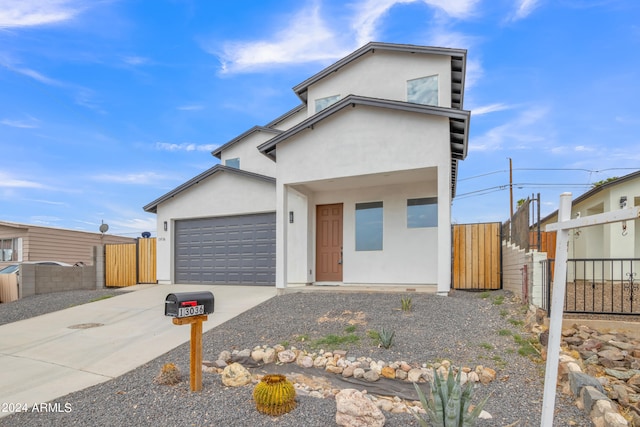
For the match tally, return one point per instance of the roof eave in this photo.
(458, 66)
(218, 151)
(153, 206)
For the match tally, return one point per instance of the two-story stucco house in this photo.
(353, 186)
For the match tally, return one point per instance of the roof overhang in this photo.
(458, 67)
(458, 126)
(153, 206)
(218, 151)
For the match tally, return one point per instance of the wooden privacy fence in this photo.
(130, 263)
(477, 256)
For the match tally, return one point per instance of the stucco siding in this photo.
(290, 121)
(370, 75)
(250, 158)
(222, 194)
(363, 140)
(409, 255)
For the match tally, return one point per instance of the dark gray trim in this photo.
(286, 115)
(218, 151)
(458, 126)
(153, 206)
(458, 67)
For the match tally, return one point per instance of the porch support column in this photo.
(282, 213)
(444, 230)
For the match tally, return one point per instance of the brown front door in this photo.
(329, 243)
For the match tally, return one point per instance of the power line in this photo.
(547, 169)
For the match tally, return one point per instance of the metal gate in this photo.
(477, 256)
(128, 264)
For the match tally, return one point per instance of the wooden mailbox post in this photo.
(196, 348)
(191, 308)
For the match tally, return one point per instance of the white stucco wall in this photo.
(384, 75)
(606, 241)
(291, 121)
(250, 158)
(363, 140)
(408, 256)
(221, 194)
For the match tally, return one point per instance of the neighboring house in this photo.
(353, 186)
(609, 240)
(23, 242)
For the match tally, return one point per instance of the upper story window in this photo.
(423, 90)
(322, 103)
(422, 212)
(233, 163)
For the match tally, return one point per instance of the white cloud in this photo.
(491, 108)
(8, 181)
(308, 37)
(132, 178)
(185, 146)
(28, 123)
(524, 9)
(29, 13)
(191, 107)
(35, 75)
(369, 13)
(522, 132)
(135, 60)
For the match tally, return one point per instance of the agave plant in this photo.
(449, 403)
(406, 303)
(386, 337)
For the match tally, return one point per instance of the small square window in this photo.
(422, 212)
(423, 90)
(369, 226)
(233, 163)
(322, 103)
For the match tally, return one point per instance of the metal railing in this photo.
(597, 286)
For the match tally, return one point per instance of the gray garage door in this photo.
(236, 250)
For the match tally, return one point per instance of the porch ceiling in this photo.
(369, 180)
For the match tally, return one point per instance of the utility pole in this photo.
(510, 190)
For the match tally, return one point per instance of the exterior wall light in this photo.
(290, 217)
(165, 226)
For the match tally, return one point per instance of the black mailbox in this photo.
(187, 304)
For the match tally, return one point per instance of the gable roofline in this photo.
(286, 115)
(458, 126)
(458, 67)
(218, 151)
(592, 192)
(153, 206)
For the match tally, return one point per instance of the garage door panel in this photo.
(233, 250)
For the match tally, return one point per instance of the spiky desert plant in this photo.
(274, 395)
(449, 402)
(169, 374)
(386, 337)
(406, 303)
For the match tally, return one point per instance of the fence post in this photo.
(98, 261)
(555, 317)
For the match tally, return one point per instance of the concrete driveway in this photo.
(49, 356)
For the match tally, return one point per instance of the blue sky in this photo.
(105, 105)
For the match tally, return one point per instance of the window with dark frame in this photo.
(369, 226)
(422, 213)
